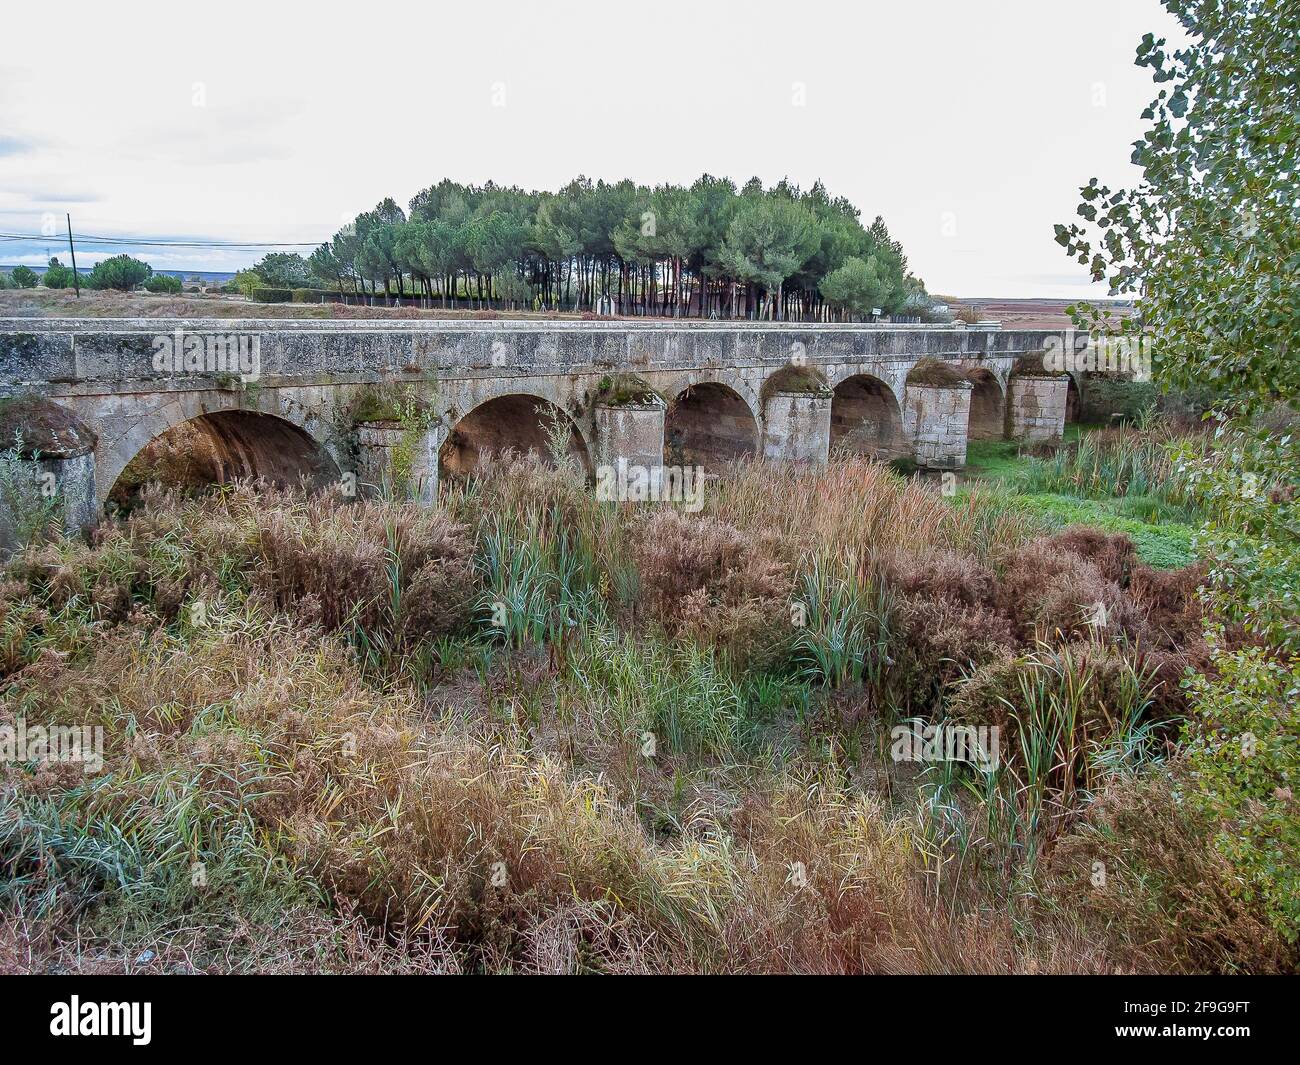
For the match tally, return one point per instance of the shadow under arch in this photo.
(517, 422)
(866, 418)
(1073, 400)
(709, 424)
(223, 446)
(987, 407)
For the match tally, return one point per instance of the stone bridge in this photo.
(275, 397)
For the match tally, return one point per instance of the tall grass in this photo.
(539, 580)
(858, 507)
(847, 631)
(348, 736)
(1121, 462)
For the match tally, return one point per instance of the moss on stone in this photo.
(44, 427)
(795, 379)
(935, 374)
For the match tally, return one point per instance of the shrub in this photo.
(246, 281)
(367, 566)
(262, 294)
(1141, 870)
(1053, 595)
(949, 620)
(1068, 719)
(707, 580)
(1244, 759)
(164, 283)
(120, 272)
(1110, 399)
(24, 277)
(57, 275)
(306, 295)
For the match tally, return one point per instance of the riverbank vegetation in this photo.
(528, 731)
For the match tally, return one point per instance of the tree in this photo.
(858, 286)
(1209, 244)
(668, 246)
(1208, 241)
(120, 272)
(326, 267)
(24, 277)
(284, 270)
(767, 241)
(57, 275)
(247, 281)
(164, 283)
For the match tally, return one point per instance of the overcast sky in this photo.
(968, 125)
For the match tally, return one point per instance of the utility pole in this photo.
(76, 281)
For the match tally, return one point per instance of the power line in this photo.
(144, 242)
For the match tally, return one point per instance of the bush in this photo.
(306, 295)
(1141, 870)
(271, 295)
(24, 277)
(57, 275)
(245, 282)
(121, 272)
(1105, 398)
(163, 283)
(1244, 757)
(708, 581)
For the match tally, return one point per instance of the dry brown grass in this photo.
(1170, 902)
(505, 818)
(707, 580)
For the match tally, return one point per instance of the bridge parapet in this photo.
(90, 352)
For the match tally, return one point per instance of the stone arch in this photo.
(251, 443)
(987, 406)
(709, 424)
(221, 446)
(866, 418)
(513, 421)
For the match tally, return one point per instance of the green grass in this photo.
(1001, 459)
(1158, 520)
(1163, 543)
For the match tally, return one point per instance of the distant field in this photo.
(1029, 313)
(44, 303)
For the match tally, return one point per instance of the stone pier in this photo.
(632, 431)
(1036, 406)
(398, 462)
(797, 427)
(935, 417)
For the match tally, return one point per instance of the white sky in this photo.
(968, 124)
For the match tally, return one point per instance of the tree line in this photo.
(707, 250)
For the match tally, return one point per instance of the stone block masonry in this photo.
(288, 394)
(935, 419)
(1036, 405)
